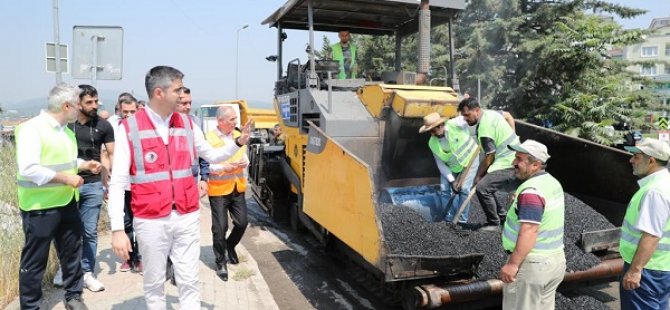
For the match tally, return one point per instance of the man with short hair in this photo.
(277, 136)
(155, 150)
(91, 133)
(533, 233)
(226, 187)
(344, 52)
(47, 182)
(495, 173)
(453, 148)
(645, 232)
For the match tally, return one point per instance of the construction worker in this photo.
(277, 136)
(46, 156)
(453, 148)
(226, 192)
(154, 152)
(645, 232)
(533, 233)
(345, 53)
(494, 132)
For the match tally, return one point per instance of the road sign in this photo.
(99, 47)
(662, 123)
(50, 53)
(664, 135)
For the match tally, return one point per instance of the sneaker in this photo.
(126, 266)
(58, 278)
(138, 267)
(75, 303)
(91, 283)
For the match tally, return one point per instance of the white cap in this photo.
(532, 147)
(652, 147)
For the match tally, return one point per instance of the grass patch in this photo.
(243, 274)
(11, 233)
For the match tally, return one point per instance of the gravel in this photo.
(407, 233)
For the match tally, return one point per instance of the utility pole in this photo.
(59, 75)
(237, 59)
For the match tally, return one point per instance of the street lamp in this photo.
(237, 57)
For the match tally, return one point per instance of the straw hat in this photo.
(431, 121)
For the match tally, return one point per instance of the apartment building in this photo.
(656, 51)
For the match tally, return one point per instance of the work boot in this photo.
(75, 303)
(58, 278)
(91, 283)
(222, 271)
(126, 266)
(232, 256)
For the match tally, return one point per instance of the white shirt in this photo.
(227, 139)
(28, 152)
(120, 174)
(654, 206)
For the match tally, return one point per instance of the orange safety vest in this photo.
(160, 175)
(223, 183)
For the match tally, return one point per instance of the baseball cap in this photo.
(532, 147)
(652, 147)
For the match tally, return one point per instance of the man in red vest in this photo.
(156, 149)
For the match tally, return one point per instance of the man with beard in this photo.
(47, 182)
(533, 233)
(91, 132)
(645, 232)
(495, 132)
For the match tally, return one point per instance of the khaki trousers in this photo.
(536, 283)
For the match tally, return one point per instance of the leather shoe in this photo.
(75, 303)
(490, 228)
(232, 257)
(222, 271)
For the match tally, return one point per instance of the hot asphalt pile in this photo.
(407, 233)
(579, 303)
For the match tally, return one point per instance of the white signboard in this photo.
(50, 53)
(98, 47)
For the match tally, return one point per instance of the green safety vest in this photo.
(339, 56)
(55, 157)
(457, 149)
(493, 125)
(630, 236)
(550, 235)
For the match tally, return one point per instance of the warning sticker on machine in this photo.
(285, 107)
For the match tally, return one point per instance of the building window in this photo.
(667, 70)
(648, 70)
(667, 48)
(650, 51)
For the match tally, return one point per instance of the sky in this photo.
(197, 37)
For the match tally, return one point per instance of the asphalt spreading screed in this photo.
(406, 232)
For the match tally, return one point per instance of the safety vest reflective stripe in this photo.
(160, 176)
(137, 146)
(55, 167)
(636, 240)
(628, 226)
(188, 132)
(552, 245)
(502, 149)
(222, 177)
(542, 234)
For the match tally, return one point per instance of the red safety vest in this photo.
(160, 175)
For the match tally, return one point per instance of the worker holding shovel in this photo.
(455, 153)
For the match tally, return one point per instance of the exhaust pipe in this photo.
(433, 296)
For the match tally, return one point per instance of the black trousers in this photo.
(221, 205)
(63, 226)
(128, 228)
(496, 181)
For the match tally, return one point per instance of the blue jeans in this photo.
(90, 201)
(653, 292)
(452, 209)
